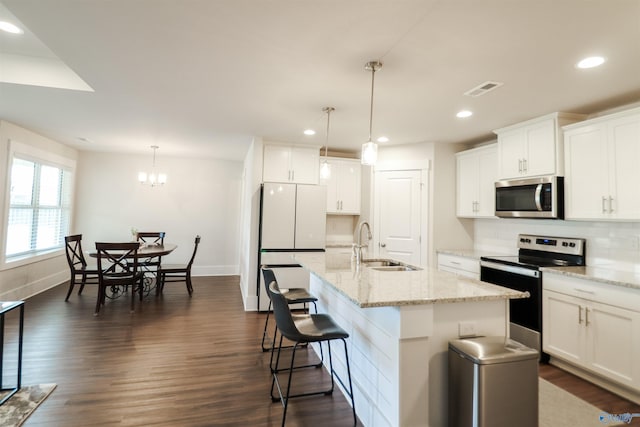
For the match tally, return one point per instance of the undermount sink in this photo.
(388, 265)
(380, 263)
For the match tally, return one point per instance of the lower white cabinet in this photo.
(463, 266)
(594, 326)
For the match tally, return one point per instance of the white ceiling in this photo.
(202, 77)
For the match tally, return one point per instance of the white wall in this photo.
(20, 282)
(201, 196)
(250, 218)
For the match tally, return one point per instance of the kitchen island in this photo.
(400, 323)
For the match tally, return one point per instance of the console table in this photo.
(6, 307)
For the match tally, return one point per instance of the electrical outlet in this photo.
(467, 329)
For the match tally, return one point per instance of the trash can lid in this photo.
(489, 350)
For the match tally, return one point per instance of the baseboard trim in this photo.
(606, 384)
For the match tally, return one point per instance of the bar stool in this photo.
(304, 329)
(292, 295)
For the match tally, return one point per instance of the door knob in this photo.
(384, 245)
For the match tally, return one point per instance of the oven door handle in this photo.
(538, 197)
(510, 269)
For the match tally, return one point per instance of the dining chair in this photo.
(118, 267)
(78, 265)
(304, 329)
(152, 264)
(177, 272)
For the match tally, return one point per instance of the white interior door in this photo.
(398, 201)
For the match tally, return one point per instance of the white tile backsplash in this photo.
(613, 245)
(340, 229)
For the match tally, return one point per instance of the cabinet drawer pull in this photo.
(455, 263)
(584, 291)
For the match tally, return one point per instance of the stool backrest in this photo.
(282, 313)
(269, 276)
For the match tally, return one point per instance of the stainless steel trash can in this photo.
(493, 382)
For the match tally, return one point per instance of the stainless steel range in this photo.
(522, 272)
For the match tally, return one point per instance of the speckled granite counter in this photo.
(367, 287)
(612, 277)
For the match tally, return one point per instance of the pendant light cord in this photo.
(373, 76)
(327, 110)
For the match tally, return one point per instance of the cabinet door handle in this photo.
(520, 165)
(525, 166)
(580, 315)
(337, 205)
(604, 200)
(293, 175)
(586, 316)
(610, 204)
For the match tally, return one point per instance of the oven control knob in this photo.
(573, 245)
(565, 244)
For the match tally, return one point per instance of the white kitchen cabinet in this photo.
(343, 186)
(601, 163)
(593, 326)
(476, 173)
(463, 266)
(295, 164)
(534, 147)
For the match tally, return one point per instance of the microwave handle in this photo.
(538, 197)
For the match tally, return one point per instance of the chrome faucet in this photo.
(357, 247)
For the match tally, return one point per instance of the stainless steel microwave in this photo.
(531, 198)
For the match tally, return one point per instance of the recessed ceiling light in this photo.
(10, 28)
(309, 132)
(383, 139)
(464, 114)
(590, 62)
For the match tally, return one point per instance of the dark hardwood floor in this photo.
(179, 361)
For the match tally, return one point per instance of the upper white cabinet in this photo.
(594, 326)
(534, 147)
(343, 186)
(602, 173)
(295, 164)
(476, 173)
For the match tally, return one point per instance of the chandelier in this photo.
(153, 178)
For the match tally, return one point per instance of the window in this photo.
(39, 213)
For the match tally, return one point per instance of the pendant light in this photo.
(369, 153)
(152, 178)
(325, 167)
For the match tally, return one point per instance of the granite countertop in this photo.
(367, 287)
(625, 279)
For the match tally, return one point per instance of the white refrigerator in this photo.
(292, 219)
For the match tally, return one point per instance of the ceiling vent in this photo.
(483, 88)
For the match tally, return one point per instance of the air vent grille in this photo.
(483, 88)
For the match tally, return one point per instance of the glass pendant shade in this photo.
(325, 170)
(369, 153)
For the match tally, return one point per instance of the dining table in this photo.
(146, 251)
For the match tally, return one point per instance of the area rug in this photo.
(559, 408)
(17, 409)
